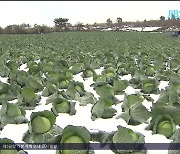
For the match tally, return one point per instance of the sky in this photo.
(87, 12)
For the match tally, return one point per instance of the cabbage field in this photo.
(103, 92)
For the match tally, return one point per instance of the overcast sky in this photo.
(44, 12)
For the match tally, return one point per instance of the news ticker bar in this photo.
(87, 146)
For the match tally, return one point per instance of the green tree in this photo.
(162, 18)
(119, 21)
(25, 26)
(60, 23)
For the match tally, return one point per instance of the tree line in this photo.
(62, 24)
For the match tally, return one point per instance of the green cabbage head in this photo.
(74, 134)
(13, 110)
(165, 128)
(41, 124)
(73, 139)
(63, 107)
